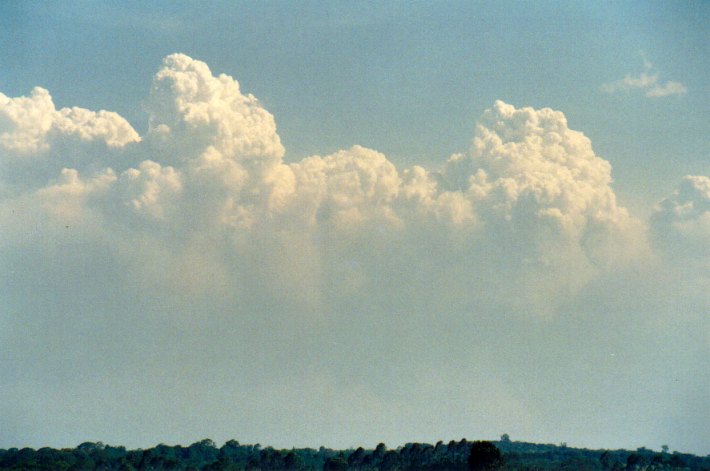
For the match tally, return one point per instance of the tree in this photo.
(633, 461)
(356, 457)
(484, 456)
(676, 461)
(222, 464)
(293, 461)
(337, 463)
(90, 447)
(202, 453)
(606, 460)
(270, 458)
(390, 460)
(379, 451)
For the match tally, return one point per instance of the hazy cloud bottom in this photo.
(202, 234)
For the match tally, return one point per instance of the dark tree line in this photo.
(454, 455)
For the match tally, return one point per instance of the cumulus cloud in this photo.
(29, 124)
(37, 140)
(149, 188)
(529, 172)
(681, 222)
(648, 82)
(346, 188)
(530, 189)
(197, 251)
(190, 108)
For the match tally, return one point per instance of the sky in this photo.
(305, 224)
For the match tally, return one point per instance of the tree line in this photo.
(454, 455)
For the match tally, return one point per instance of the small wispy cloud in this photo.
(646, 81)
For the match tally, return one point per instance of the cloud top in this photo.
(191, 106)
(30, 124)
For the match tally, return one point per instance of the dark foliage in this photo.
(484, 456)
(456, 455)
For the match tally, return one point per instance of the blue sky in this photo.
(302, 289)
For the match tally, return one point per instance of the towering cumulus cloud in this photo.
(530, 176)
(530, 196)
(190, 106)
(188, 274)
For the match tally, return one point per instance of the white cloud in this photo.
(192, 109)
(669, 88)
(37, 141)
(531, 176)
(681, 222)
(530, 190)
(29, 124)
(25, 121)
(149, 188)
(196, 258)
(346, 188)
(648, 82)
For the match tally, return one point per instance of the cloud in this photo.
(681, 222)
(189, 106)
(528, 171)
(194, 261)
(668, 88)
(149, 188)
(30, 124)
(648, 82)
(37, 141)
(530, 190)
(346, 188)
